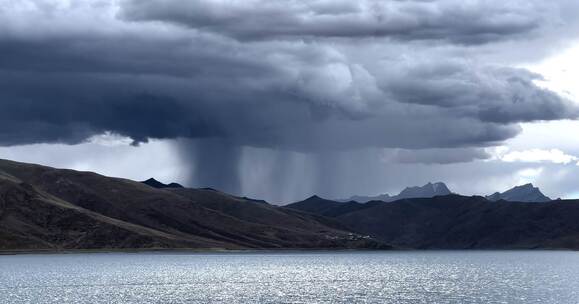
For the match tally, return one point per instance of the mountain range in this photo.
(428, 190)
(457, 222)
(43, 208)
(524, 193)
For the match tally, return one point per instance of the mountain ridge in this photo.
(428, 190)
(159, 185)
(522, 193)
(462, 222)
(43, 208)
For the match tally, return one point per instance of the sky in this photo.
(281, 100)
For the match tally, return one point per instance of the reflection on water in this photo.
(320, 277)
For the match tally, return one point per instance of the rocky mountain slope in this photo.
(459, 222)
(43, 208)
(53, 209)
(325, 207)
(428, 190)
(525, 193)
(157, 184)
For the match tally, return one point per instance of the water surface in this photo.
(292, 277)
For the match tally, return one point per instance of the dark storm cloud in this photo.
(319, 88)
(492, 94)
(53, 107)
(271, 74)
(214, 163)
(298, 97)
(457, 21)
(435, 156)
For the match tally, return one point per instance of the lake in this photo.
(293, 277)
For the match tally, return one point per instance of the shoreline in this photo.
(256, 251)
(186, 250)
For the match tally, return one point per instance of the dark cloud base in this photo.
(308, 76)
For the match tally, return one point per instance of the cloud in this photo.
(474, 22)
(555, 156)
(108, 139)
(435, 156)
(148, 80)
(108, 155)
(528, 175)
(315, 77)
(491, 94)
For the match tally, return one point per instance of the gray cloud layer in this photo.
(455, 21)
(287, 75)
(435, 156)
